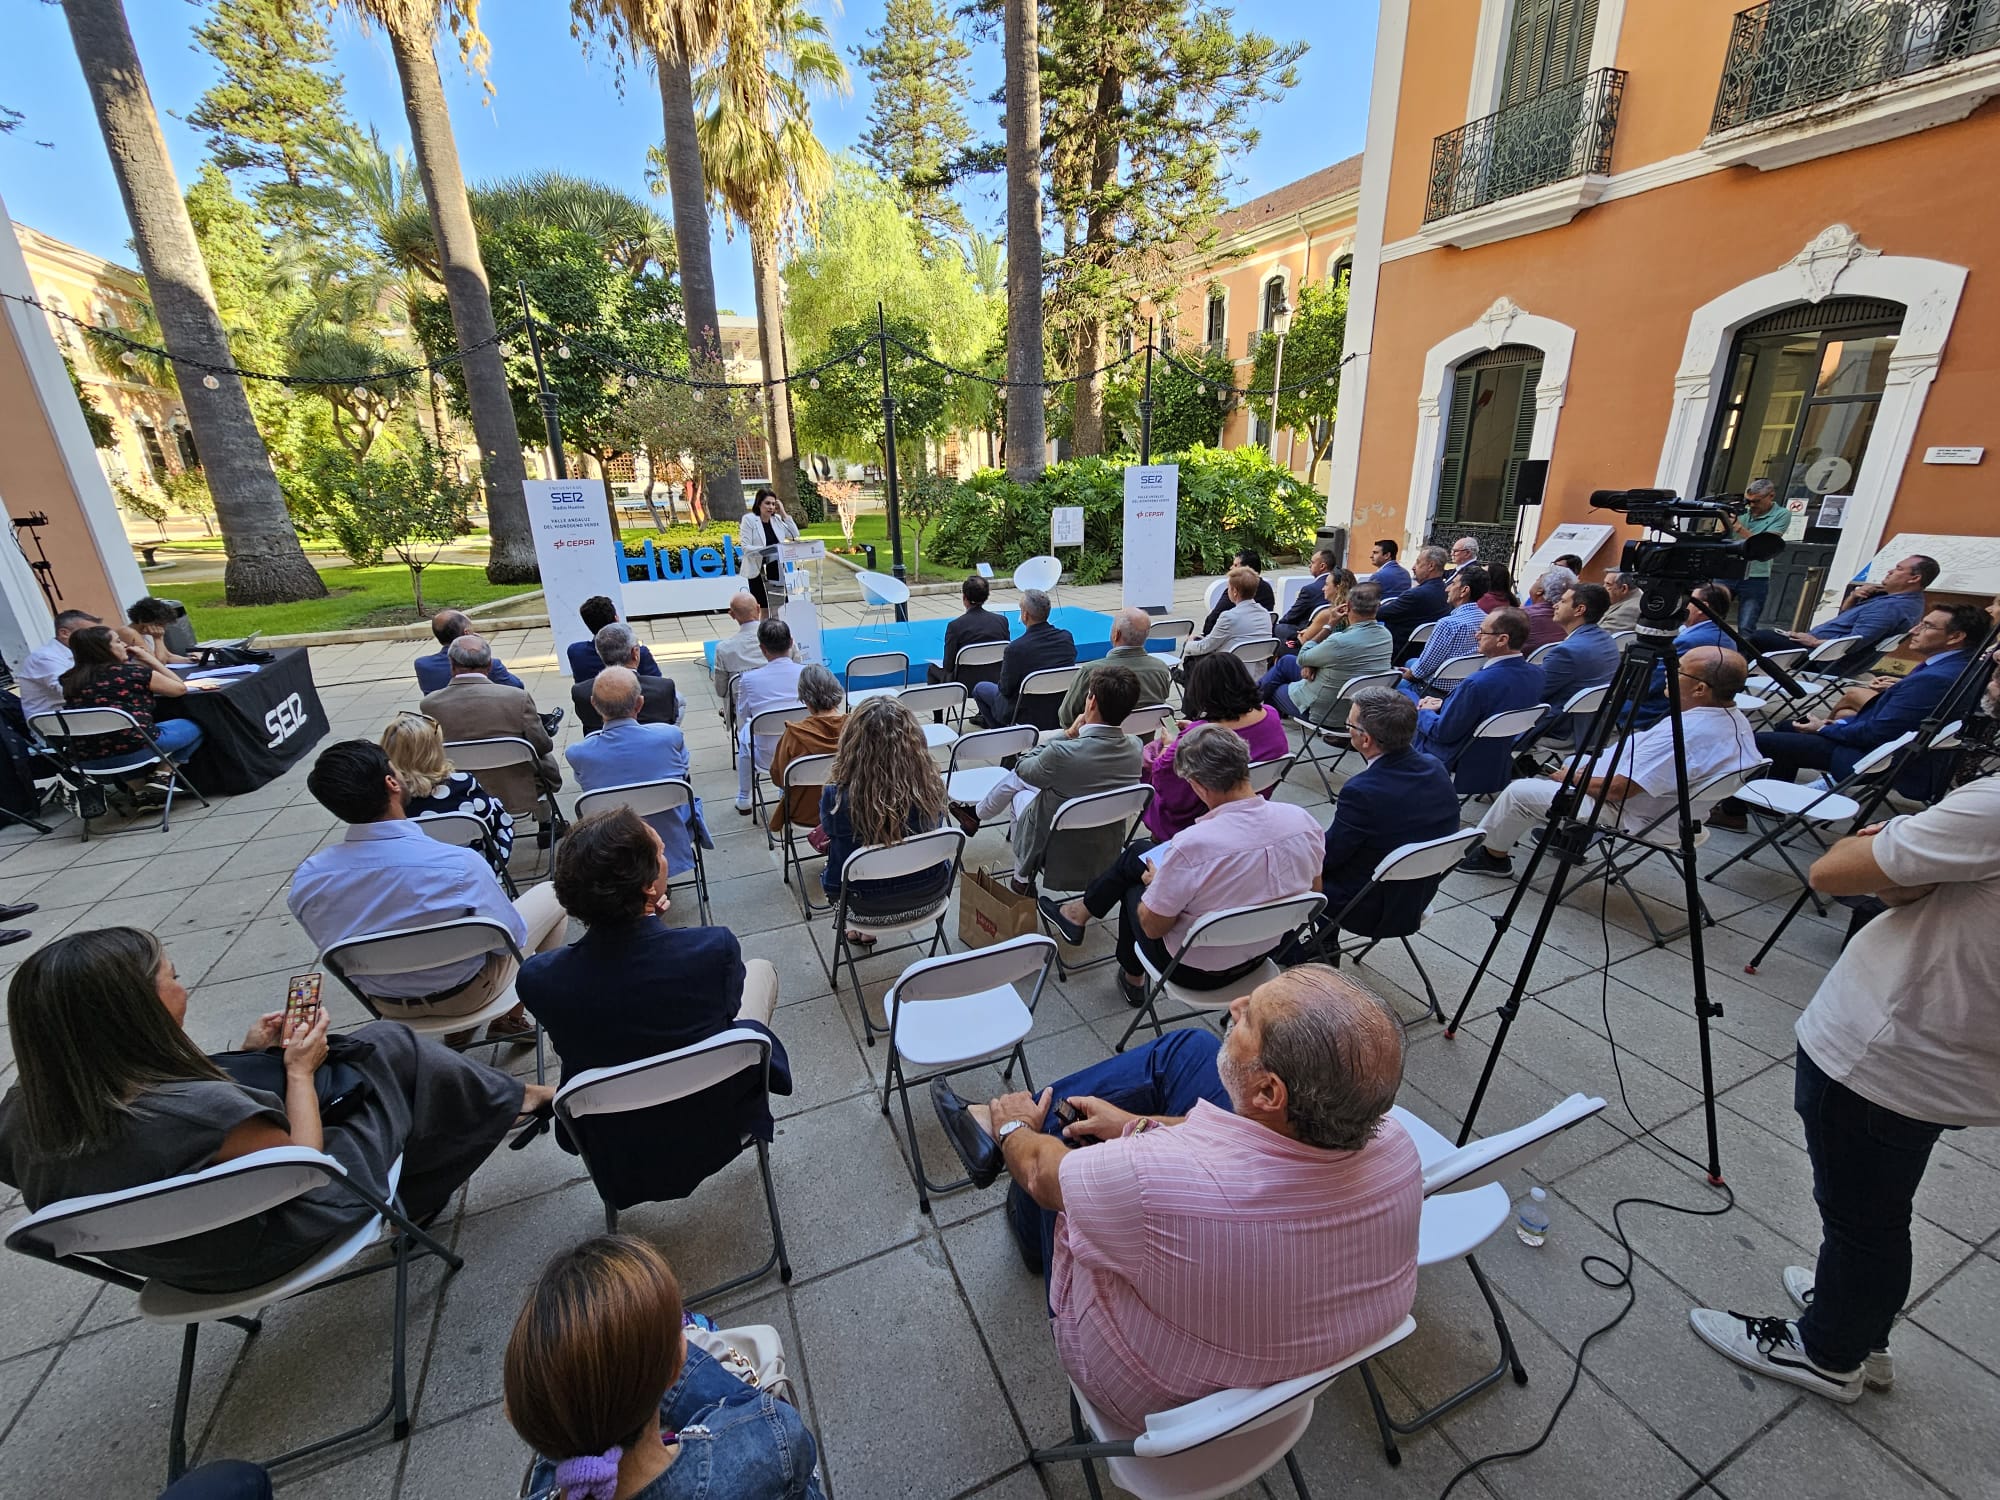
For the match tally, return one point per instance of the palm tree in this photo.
(675, 35)
(985, 263)
(411, 27)
(266, 564)
(632, 235)
(768, 170)
(1027, 429)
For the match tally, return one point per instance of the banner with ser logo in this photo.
(579, 553)
(1152, 510)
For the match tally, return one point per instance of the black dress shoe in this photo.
(21, 935)
(978, 1150)
(9, 913)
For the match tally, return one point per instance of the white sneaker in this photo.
(1878, 1371)
(1771, 1346)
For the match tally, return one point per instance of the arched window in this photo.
(184, 444)
(1274, 303)
(1342, 273)
(156, 456)
(1487, 433)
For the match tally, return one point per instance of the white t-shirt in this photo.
(1909, 1015)
(38, 676)
(1718, 740)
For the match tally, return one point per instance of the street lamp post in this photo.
(1281, 322)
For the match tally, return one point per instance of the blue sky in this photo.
(554, 108)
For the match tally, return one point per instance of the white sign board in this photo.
(1795, 528)
(1953, 455)
(1833, 511)
(800, 552)
(1066, 526)
(1152, 511)
(578, 552)
(1583, 538)
(1971, 563)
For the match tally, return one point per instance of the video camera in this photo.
(1698, 545)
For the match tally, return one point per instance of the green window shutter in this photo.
(1451, 473)
(1527, 46)
(1524, 435)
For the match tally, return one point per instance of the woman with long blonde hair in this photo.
(414, 743)
(884, 787)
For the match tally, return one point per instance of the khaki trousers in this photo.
(548, 926)
(760, 991)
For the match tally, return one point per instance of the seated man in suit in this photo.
(1586, 656)
(978, 624)
(585, 662)
(1093, 755)
(1311, 598)
(1129, 630)
(1040, 645)
(1640, 786)
(1464, 554)
(1508, 681)
(1241, 617)
(435, 670)
(1391, 575)
(1623, 588)
(633, 987)
(627, 749)
(773, 685)
(616, 646)
(472, 706)
(1422, 602)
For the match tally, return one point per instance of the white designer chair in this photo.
(80, 1232)
(649, 799)
(1044, 573)
(714, 1064)
(418, 950)
(881, 594)
(1266, 924)
(1213, 593)
(1213, 1446)
(1465, 1205)
(951, 1014)
(919, 852)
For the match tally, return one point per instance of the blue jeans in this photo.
(1284, 671)
(1750, 596)
(993, 710)
(1167, 1076)
(225, 1479)
(180, 738)
(1867, 1162)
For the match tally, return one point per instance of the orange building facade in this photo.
(1681, 246)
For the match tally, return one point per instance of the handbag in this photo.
(341, 1086)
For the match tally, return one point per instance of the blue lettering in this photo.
(674, 564)
(732, 556)
(707, 563)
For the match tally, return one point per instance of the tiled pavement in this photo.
(923, 1355)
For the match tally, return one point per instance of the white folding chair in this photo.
(974, 768)
(1577, 711)
(465, 830)
(894, 664)
(920, 851)
(1060, 871)
(63, 727)
(1430, 859)
(952, 1014)
(1171, 634)
(928, 699)
(1454, 670)
(979, 662)
(805, 771)
(405, 951)
(1324, 731)
(1266, 924)
(1819, 674)
(1256, 655)
(881, 594)
(1422, 633)
(1041, 695)
(1267, 774)
(1145, 721)
(85, 1233)
(1289, 587)
(503, 752)
(715, 1064)
(1465, 1205)
(649, 799)
(1624, 638)
(1764, 686)
(1509, 725)
(1213, 1446)
(1540, 652)
(769, 724)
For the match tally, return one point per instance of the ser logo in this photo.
(567, 497)
(284, 721)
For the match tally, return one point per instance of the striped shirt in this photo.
(1457, 634)
(1217, 1253)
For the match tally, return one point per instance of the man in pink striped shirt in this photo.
(1251, 1214)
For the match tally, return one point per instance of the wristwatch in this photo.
(1008, 1129)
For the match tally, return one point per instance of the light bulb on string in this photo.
(699, 395)
(129, 359)
(360, 393)
(632, 382)
(562, 351)
(813, 384)
(211, 382)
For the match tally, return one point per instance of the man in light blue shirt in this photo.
(1876, 612)
(388, 873)
(625, 751)
(1457, 634)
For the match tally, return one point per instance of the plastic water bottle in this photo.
(1531, 1223)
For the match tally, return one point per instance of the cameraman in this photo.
(1901, 1043)
(1763, 514)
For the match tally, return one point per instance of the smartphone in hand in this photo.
(301, 999)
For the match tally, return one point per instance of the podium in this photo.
(801, 562)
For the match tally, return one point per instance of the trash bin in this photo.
(868, 551)
(1336, 538)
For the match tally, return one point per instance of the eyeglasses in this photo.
(1483, 631)
(421, 718)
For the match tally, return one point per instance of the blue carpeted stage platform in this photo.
(923, 640)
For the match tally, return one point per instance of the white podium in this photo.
(801, 562)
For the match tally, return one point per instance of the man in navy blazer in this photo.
(1402, 797)
(1039, 645)
(632, 987)
(1311, 599)
(434, 671)
(1422, 602)
(596, 612)
(1586, 657)
(1507, 681)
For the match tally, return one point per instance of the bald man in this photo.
(1266, 1159)
(1129, 629)
(1640, 788)
(740, 652)
(435, 670)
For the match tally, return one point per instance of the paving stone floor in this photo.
(920, 1344)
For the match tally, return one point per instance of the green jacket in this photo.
(1155, 682)
(1334, 658)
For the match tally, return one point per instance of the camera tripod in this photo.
(1570, 831)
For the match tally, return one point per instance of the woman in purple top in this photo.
(1221, 691)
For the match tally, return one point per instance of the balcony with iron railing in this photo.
(1563, 134)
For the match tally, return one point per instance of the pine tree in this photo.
(273, 106)
(916, 125)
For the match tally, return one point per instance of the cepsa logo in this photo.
(564, 498)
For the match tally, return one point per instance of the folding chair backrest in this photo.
(1422, 633)
(1426, 860)
(772, 721)
(175, 1208)
(933, 697)
(1256, 655)
(1624, 638)
(462, 829)
(1948, 735)
(1171, 631)
(807, 770)
(1354, 685)
(953, 975)
(1786, 659)
(988, 747)
(1098, 809)
(1458, 668)
(1515, 721)
(1242, 926)
(1541, 651)
(417, 950)
(894, 664)
(1289, 589)
(1265, 774)
(920, 851)
(1479, 1162)
(665, 1077)
(81, 723)
(644, 797)
(1048, 682)
(1145, 720)
(1878, 759)
(1827, 652)
(980, 654)
(1587, 700)
(494, 754)
(1723, 784)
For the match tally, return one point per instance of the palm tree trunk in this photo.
(266, 564)
(697, 272)
(771, 347)
(1027, 430)
(1087, 418)
(512, 555)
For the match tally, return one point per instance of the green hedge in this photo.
(673, 538)
(1229, 498)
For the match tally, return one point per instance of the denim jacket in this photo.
(737, 1443)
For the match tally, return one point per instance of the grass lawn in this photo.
(356, 597)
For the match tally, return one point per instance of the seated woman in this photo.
(113, 1094)
(885, 787)
(151, 620)
(600, 1381)
(414, 743)
(818, 733)
(111, 674)
(1499, 589)
(1221, 691)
